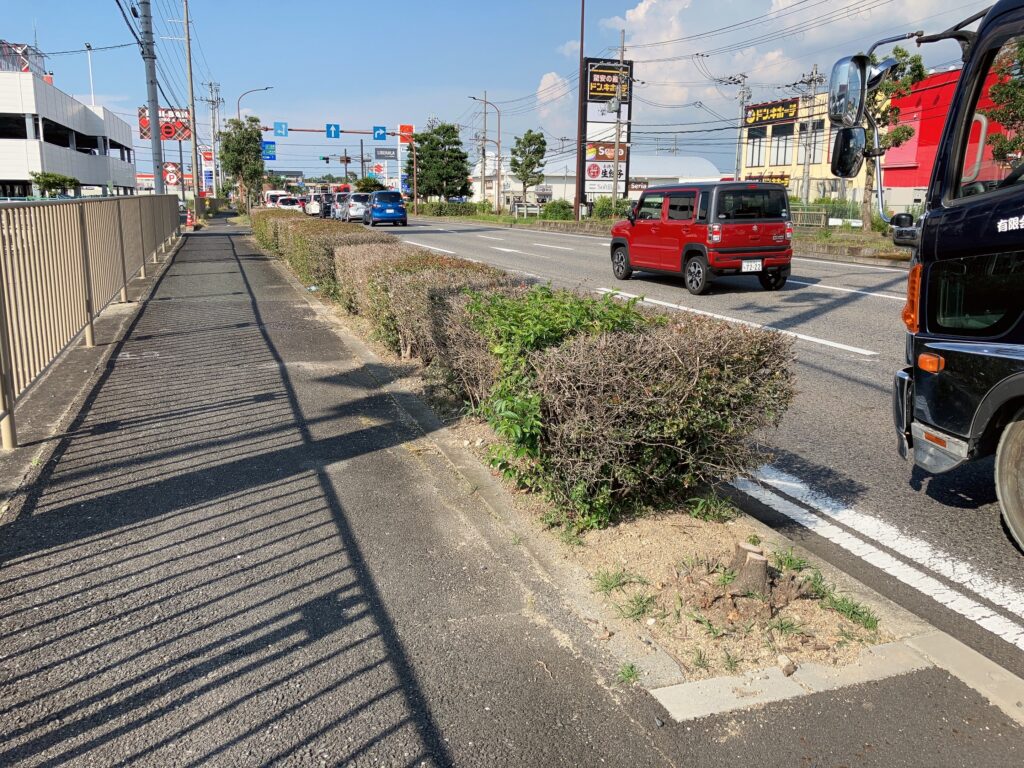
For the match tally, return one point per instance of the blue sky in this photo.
(361, 64)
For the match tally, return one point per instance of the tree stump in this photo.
(752, 576)
(739, 556)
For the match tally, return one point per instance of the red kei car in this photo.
(704, 230)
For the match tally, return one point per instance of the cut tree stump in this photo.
(739, 556)
(752, 576)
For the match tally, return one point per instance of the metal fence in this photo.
(61, 263)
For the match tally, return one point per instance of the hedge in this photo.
(449, 209)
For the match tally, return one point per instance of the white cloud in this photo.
(556, 105)
(570, 48)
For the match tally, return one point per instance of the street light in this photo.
(238, 104)
(483, 171)
(92, 94)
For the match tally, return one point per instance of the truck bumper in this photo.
(933, 450)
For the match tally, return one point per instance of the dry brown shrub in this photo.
(355, 264)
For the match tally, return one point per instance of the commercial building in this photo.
(43, 129)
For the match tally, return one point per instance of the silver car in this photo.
(338, 204)
(354, 208)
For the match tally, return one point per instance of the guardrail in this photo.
(61, 263)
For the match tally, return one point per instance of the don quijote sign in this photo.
(607, 78)
(175, 124)
(784, 111)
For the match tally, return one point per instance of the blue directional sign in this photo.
(380, 133)
(269, 150)
(333, 131)
(281, 129)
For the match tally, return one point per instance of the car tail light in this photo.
(715, 233)
(912, 309)
(789, 230)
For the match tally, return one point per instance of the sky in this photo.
(406, 61)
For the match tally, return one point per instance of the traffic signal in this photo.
(326, 159)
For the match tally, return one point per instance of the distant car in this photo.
(302, 202)
(340, 199)
(289, 204)
(182, 208)
(385, 207)
(354, 206)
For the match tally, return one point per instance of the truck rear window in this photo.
(744, 204)
(976, 295)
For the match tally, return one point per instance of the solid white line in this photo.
(488, 237)
(847, 290)
(848, 264)
(521, 253)
(430, 247)
(556, 247)
(890, 536)
(999, 625)
(726, 318)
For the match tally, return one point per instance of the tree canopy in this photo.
(241, 152)
(1007, 95)
(528, 159)
(368, 184)
(53, 183)
(443, 165)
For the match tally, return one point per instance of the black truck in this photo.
(961, 396)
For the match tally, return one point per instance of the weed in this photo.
(517, 539)
(712, 509)
(571, 537)
(818, 586)
(628, 674)
(748, 628)
(856, 612)
(637, 607)
(700, 659)
(785, 626)
(679, 608)
(846, 637)
(552, 518)
(754, 539)
(709, 627)
(732, 663)
(725, 577)
(785, 560)
(607, 582)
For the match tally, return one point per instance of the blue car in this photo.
(386, 207)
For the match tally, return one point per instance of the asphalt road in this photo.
(927, 542)
(244, 552)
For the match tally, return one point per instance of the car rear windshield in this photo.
(360, 198)
(391, 198)
(286, 201)
(743, 204)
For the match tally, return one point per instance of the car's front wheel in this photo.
(620, 264)
(772, 281)
(696, 275)
(1010, 477)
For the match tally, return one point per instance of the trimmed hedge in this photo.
(448, 209)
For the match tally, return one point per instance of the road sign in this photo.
(175, 124)
(269, 150)
(385, 153)
(333, 131)
(405, 133)
(380, 133)
(378, 168)
(172, 173)
(281, 129)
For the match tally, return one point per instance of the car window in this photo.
(992, 156)
(360, 198)
(702, 208)
(977, 295)
(758, 203)
(680, 206)
(389, 197)
(650, 207)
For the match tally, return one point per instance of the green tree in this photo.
(909, 69)
(528, 159)
(53, 183)
(368, 184)
(1007, 95)
(442, 163)
(241, 154)
(276, 181)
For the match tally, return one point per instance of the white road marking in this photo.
(521, 253)
(890, 536)
(849, 264)
(848, 290)
(956, 601)
(556, 247)
(726, 318)
(430, 247)
(488, 237)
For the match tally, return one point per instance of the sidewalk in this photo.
(244, 552)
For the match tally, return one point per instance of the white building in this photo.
(44, 129)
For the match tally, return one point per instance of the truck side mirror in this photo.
(904, 233)
(847, 91)
(848, 152)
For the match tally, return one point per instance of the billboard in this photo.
(175, 124)
(770, 112)
(605, 151)
(385, 153)
(605, 77)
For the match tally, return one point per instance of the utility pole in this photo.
(483, 155)
(745, 94)
(149, 57)
(214, 101)
(362, 161)
(812, 80)
(581, 120)
(197, 169)
(618, 119)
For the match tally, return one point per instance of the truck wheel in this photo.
(620, 264)
(1010, 477)
(772, 281)
(696, 275)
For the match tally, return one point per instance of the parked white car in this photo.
(355, 206)
(289, 204)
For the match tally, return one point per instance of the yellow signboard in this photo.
(771, 112)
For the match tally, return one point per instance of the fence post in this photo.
(90, 338)
(120, 243)
(8, 430)
(142, 239)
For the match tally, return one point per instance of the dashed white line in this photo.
(847, 290)
(488, 237)
(430, 247)
(956, 601)
(738, 321)
(849, 264)
(521, 253)
(556, 247)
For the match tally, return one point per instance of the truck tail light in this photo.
(715, 233)
(789, 230)
(912, 309)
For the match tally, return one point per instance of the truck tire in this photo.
(696, 274)
(1010, 477)
(620, 263)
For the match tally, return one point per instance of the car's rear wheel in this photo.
(620, 264)
(772, 281)
(1010, 477)
(696, 275)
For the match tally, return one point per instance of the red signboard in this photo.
(175, 124)
(172, 174)
(405, 133)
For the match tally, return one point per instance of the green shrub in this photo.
(608, 208)
(559, 210)
(448, 209)
(639, 417)
(484, 206)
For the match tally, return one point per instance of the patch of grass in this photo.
(607, 582)
(517, 539)
(725, 577)
(785, 626)
(700, 659)
(709, 627)
(732, 663)
(637, 607)
(552, 518)
(856, 612)
(628, 674)
(786, 560)
(712, 508)
(754, 539)
(571, 537)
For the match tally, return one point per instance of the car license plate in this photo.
(390, 210)
(752, 265)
